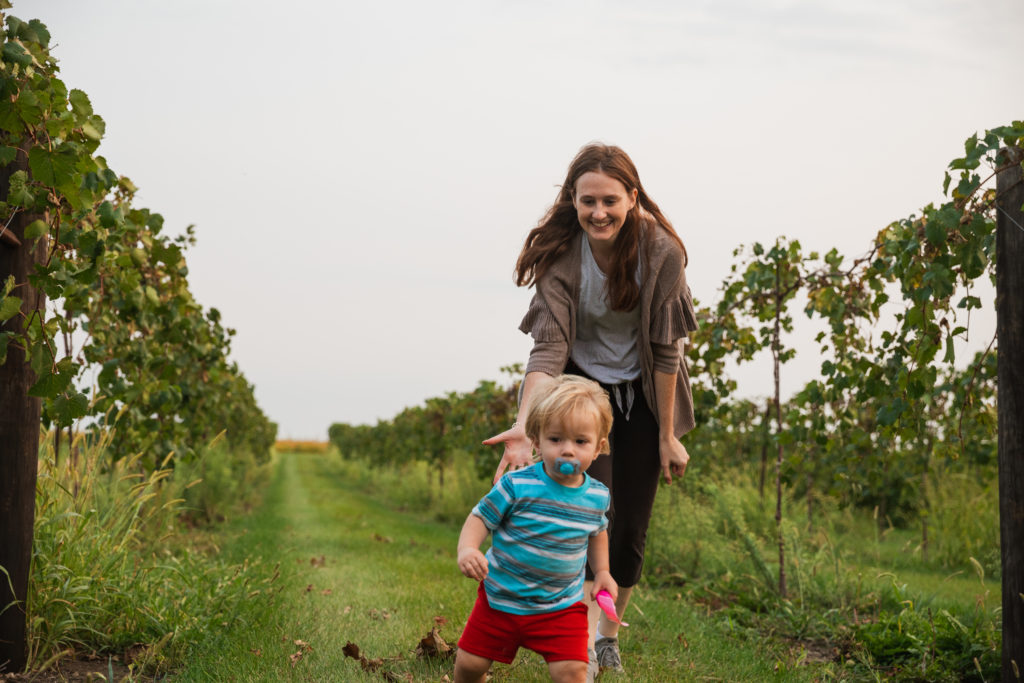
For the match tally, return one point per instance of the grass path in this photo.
(386, 578)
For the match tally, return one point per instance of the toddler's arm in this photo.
(472, 562)
(597, 555)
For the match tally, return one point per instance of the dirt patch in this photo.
(78, 669)
(814, 651)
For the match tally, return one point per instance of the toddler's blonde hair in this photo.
(566, 395)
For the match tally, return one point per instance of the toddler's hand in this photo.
(603, 581)
(473, 564)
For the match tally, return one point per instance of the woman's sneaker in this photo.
(608, 654)
(592, 668)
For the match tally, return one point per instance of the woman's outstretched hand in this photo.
(518, 450)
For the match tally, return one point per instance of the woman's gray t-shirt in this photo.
(606, 340)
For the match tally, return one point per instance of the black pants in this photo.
(631, 473)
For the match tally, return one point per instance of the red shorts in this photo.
(556, 636)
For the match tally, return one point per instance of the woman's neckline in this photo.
(603, 262)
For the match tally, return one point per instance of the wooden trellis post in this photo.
(1010, 332)
(19, 436)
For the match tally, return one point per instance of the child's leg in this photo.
(470, 668)
(561, 638)
(567, 671)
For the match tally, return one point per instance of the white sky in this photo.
(362, 175)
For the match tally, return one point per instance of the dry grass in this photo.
(292, 446)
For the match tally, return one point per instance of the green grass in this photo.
(109, 573)
(389, 577)
(865, 598)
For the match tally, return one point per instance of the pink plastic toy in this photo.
(605, 602)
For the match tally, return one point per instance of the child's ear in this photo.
(604, 447)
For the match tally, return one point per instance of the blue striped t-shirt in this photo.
(540, 530)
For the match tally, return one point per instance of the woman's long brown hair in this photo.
(556, 231)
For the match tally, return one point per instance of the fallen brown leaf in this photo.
(434, 646)
(370, 665)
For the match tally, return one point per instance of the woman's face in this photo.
(602, 203)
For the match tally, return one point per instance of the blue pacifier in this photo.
(569, 467)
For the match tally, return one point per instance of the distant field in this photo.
(290, 446)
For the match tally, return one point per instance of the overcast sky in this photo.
(362, 175)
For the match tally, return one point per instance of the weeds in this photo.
(719, 548)
(959, 536)
(106, 574)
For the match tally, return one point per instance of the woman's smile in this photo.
(602, 206)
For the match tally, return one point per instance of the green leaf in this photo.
(969, 302)
(106, 214)
(935, 232)
(80, 102)
(973, 260)
(69, 407)
(940, 279)
(18, 194)
(152, 295)
(49, 385)
(7, 155)
(9, 307)
(950, 351)
(5, 338)
(14, 52)
(53, 169)
(888, 415)
(92, 131)
(36, 229)
(38, 32)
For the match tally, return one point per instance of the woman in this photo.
(611, 304)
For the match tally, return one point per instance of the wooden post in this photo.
(1010, 332)
(776, 351)
(19, 439)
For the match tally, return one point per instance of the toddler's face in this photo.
(568, 446)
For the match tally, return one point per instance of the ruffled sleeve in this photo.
(672, 316)
(689, 315)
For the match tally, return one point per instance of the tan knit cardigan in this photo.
(666, 317)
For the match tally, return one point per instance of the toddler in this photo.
(546, 521)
